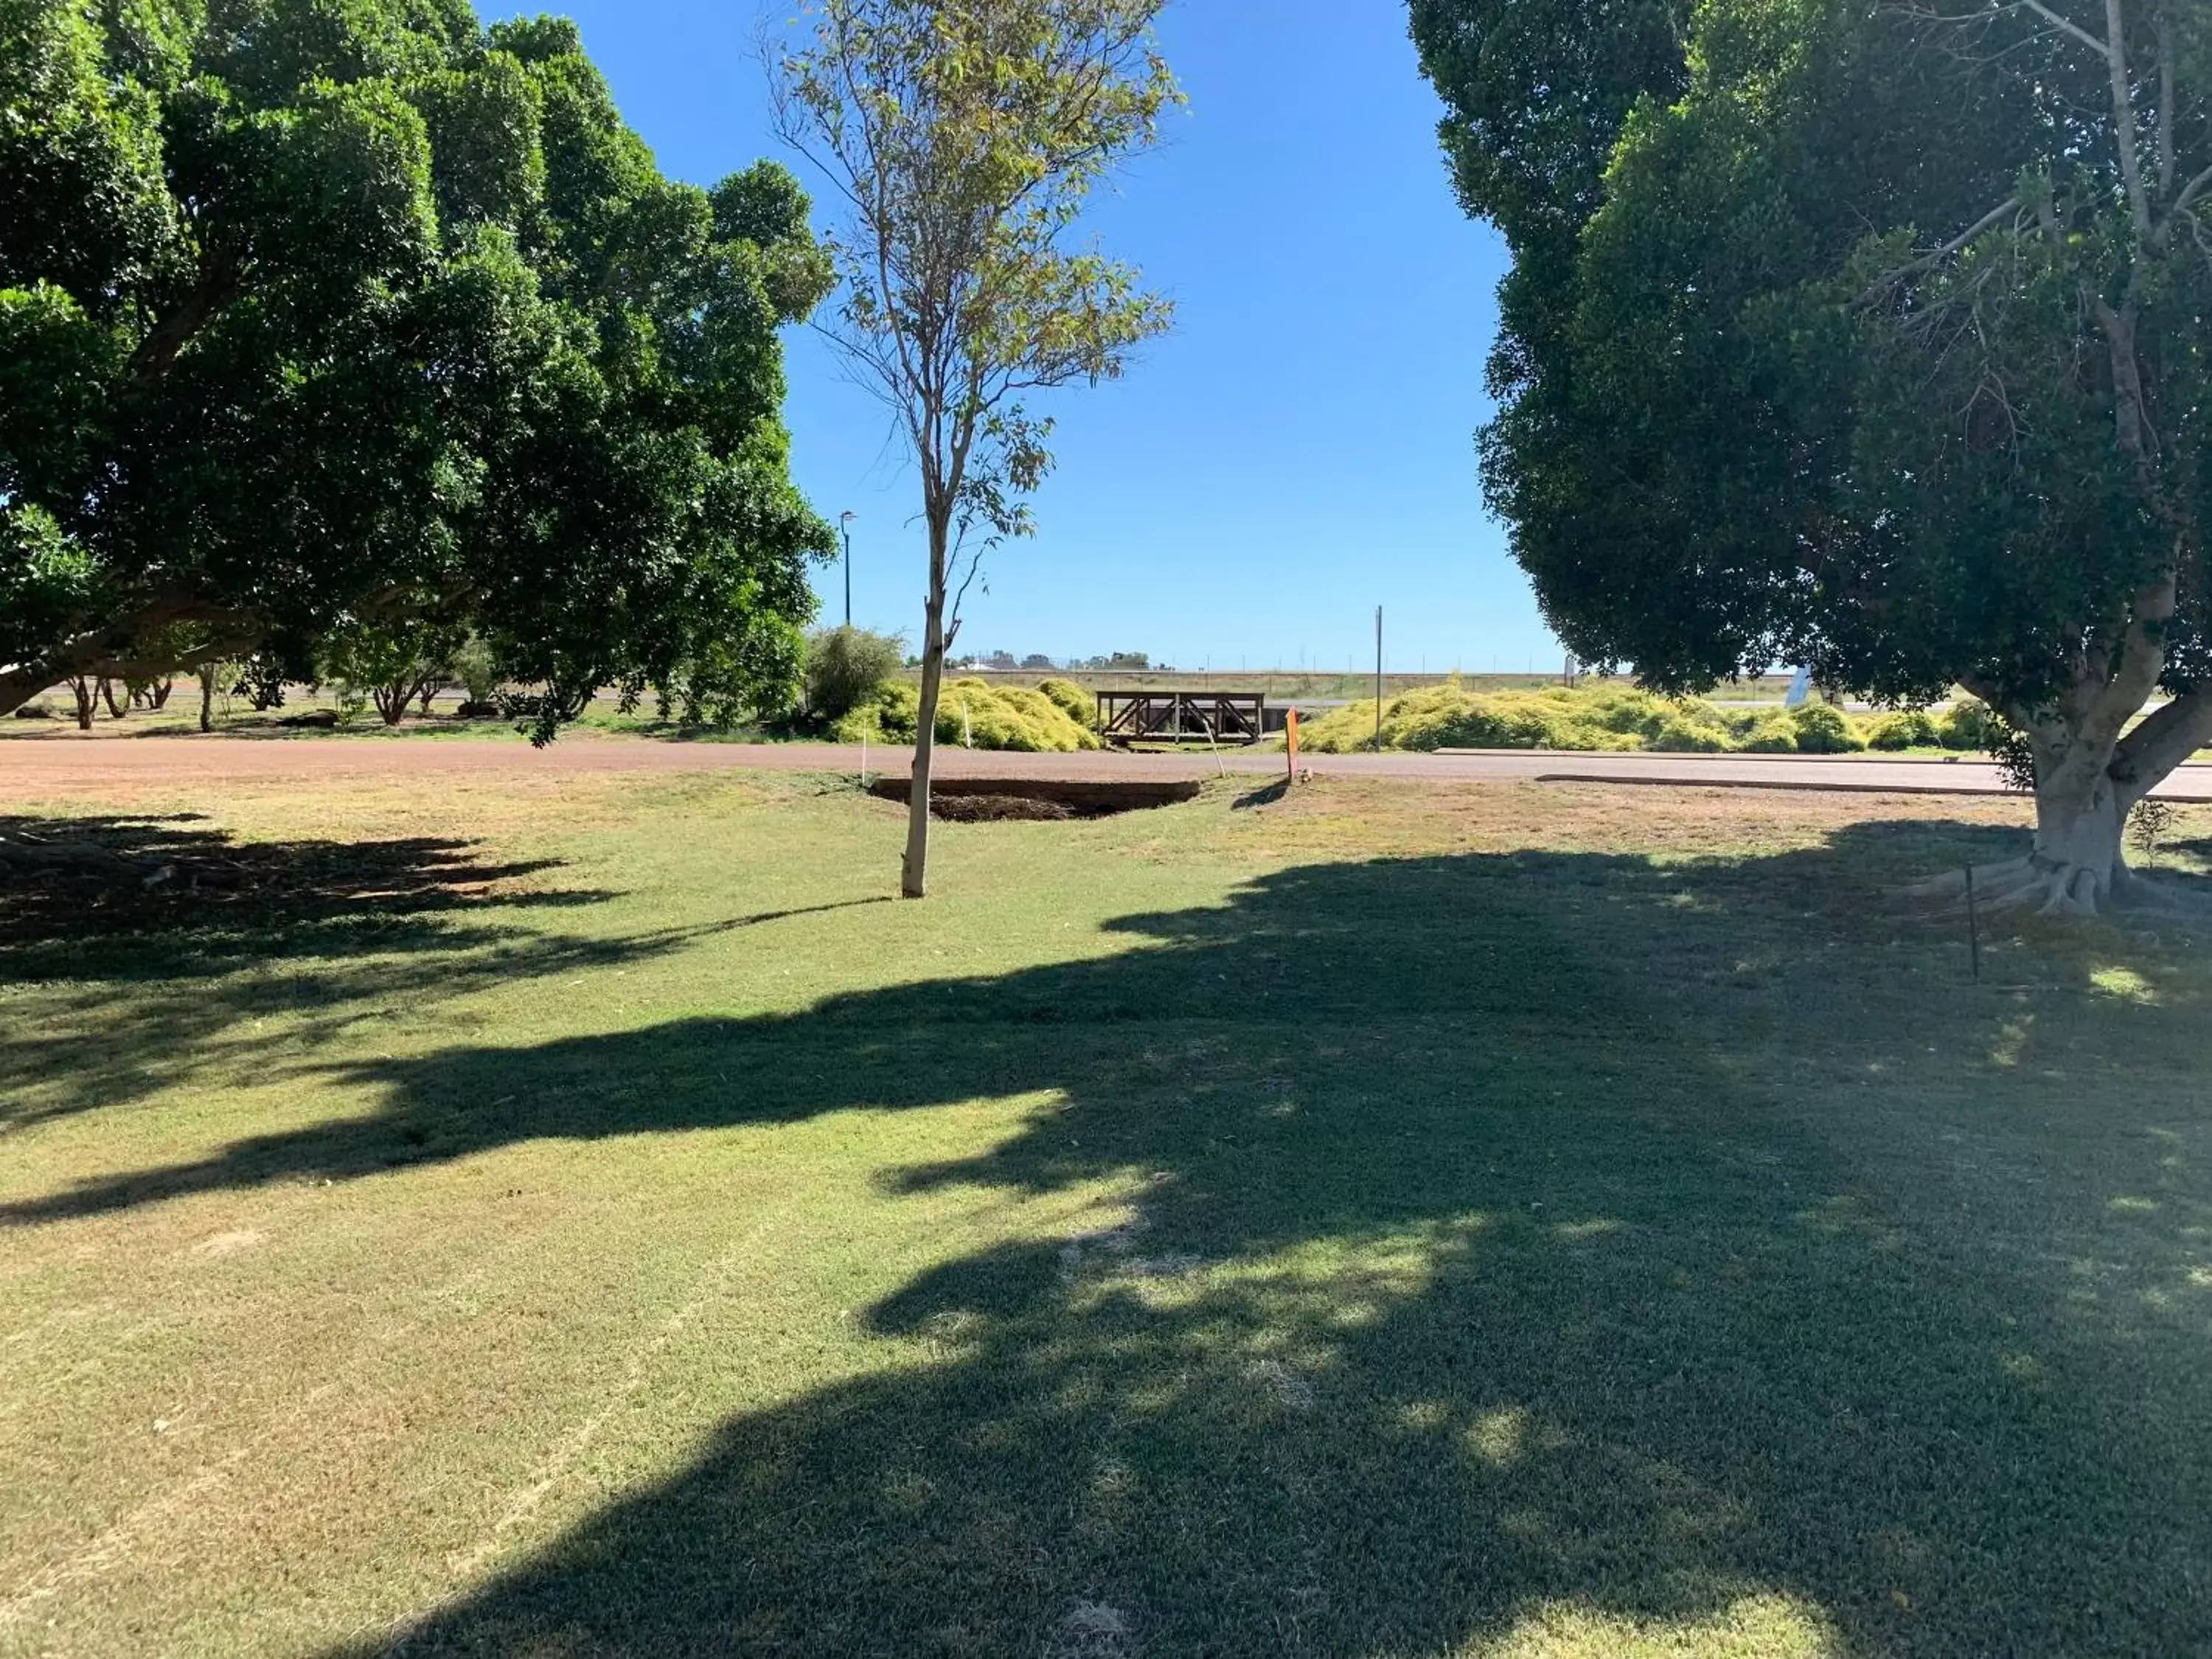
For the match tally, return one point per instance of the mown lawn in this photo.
(582, 1216)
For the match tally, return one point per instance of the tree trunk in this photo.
(390, 701)
(108, 695)
(81, 687)
(2077, 856)
(207, 697)
(914, 875)
(158, 692)
(2086, 785)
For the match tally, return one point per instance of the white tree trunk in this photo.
(2077, 859)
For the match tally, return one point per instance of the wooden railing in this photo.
(1220, 717)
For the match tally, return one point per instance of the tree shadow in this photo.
(176, 877)
(1509, 1239)
(175, 909)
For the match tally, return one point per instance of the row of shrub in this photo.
(1620, 717)
(856, 693)
(1054, 719)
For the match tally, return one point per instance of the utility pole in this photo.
(846, 522)
(1378, 679)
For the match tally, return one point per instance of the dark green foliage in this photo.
(846, 667)
(2151, 823)
(390, 663)
(319, 317)
(476, 667)
(1838, 334)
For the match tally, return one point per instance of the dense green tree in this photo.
(326, 315)
(847, 666)
(965, 138)
(392, 664)
(1872, 335)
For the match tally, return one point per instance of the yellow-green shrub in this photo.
(888, 715)
(1906, 728)
(1822, 730)
(1081, 707)
(1967, 724)
(990, 717)
(1450, 716)
(1773, 732)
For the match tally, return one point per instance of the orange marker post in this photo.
(1290, 728)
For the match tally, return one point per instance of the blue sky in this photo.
(1298, 452)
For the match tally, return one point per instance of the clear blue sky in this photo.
(1300, 450)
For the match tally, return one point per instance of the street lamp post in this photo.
(846, 520)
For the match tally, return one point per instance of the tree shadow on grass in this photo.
(1521, 1243)
(177, 882)
(205, 935)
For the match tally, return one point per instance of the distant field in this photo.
(580, 1215)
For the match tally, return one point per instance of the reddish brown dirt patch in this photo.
(973, 800)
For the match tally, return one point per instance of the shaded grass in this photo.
(1382, 1221)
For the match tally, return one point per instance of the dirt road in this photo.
(48, 764)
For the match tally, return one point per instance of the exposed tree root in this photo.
(1952, 883)
(2049, 887)
(24, 851)
(2150, 896)
(2052, 887)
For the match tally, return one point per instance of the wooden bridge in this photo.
(1218, 717)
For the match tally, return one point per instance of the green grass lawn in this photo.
(583, 1216)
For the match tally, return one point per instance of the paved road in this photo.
(60, 762)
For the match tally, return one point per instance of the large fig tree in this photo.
(319, 316)
(1871, 334)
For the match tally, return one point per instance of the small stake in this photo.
(1378, 679)
(1974, 926)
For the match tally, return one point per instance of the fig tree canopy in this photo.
(317, 315)
(1872, 335)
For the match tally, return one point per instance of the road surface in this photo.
(57, 763)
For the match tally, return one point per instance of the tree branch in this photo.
(2067, 26)
(114, 651)
(2189, 191)
(2167, 114)
(1890, 280)
(2124, 120)
(218, 285)
(2169, 736)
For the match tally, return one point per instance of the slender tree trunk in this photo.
(158, 692)
(108, 695)
(81, 687)
(207, 697)
(914, 877)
